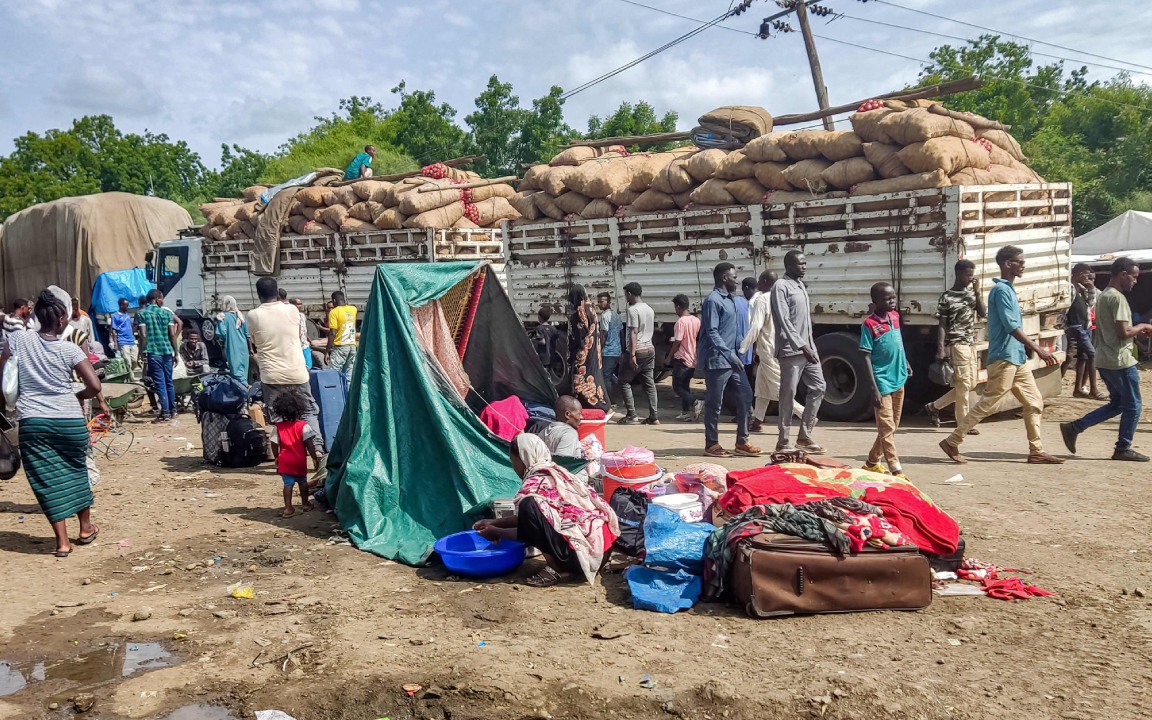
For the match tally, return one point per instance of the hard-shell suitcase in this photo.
(775, 574)
(330, 390)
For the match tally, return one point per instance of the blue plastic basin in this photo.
(466, 553)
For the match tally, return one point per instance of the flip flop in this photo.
(62, 553)
(545, 578)
(88, 540)
(717, 452)
(287, 514)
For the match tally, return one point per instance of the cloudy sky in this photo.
(255, 73)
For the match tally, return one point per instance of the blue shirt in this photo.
(743, 323)
(719, 332)
(122, 326)
(611, 324)
(881, 337)
(1004, 317)
(361, 160)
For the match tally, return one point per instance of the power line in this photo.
(685, 17)
(1001, 32)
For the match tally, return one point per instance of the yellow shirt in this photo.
(342, 323)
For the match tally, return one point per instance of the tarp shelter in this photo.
(131, 284)
(411, 461)
(69, 242)
(1121, 235)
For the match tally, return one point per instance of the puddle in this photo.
(101, 665)
(200, 712)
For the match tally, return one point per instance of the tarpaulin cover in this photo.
(1122, 234)
(70, 241)
(411, 462)
(132, 284)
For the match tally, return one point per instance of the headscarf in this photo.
(577, 295)
(231, 306)
(570, 507)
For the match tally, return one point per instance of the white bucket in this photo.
(687, 505)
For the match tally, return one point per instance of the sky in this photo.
(255, 73)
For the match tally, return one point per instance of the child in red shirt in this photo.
(292, 442)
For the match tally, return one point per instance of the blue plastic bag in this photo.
(662, 591)
(673, 544)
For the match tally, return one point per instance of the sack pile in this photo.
(893, 146)
(369, 205)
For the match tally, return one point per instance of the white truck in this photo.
(195, 273)
(911, 239)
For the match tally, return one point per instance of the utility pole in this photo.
(814, 62)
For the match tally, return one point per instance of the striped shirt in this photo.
(156, 319)
(45, 376)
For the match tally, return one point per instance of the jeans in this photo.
(716, 382)
(608, 365)
(343, 359)
(795, 369)
(160, 372)
(1124, 400)
(644, 371)
(682, 384)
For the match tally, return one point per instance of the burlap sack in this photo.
(572, 202)
(646, 169)
(495, 209)
(736, 166)
(334, 216)
(296, 223)
(316, 228)
(623, 197)
(531, 179)
(846, 173)
(748, 191)
(972, 176)
(312, 213)
(1005, 142)
(598, 208)
(390, 219)
(366, 210)
(919, 125)
(393, 194)
(917, 181)
(353, 225)
(609, 176)
(999, 156)
(704, 164)
(805, 175)
(867, 125)
(345, 195)
(312, 196)
(771, 175)
(244, 212)
(296, 208)
(233, 230)
(713, 192)
(654, 200)
(524, 205)
(252, 192)
(414, 203)
(441, 217)
(1006, 175)
(546, 204)
(209, 210)
(374, 190)
(225, 216)
(675, 178)
(683, 200)
(218, 232)
(840, 145)
(574, 156)
(553, 181)
(490, 191)
(802, 144)
(885, 159)
(741, 121)
(766, 148)
(950, 154)
(247, 228)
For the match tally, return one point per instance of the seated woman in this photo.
(556, 513)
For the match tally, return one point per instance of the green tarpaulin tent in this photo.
(411, 462)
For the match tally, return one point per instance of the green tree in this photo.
(629, 119)
(496, 127)
(422, 129)
(544, 129)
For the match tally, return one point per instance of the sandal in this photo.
(88, 540)
(717, 452)
(1101, 396)
(62, 553)
(287, 513)
(545, 578)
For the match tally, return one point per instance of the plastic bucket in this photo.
(686, 505)
(632, 472)
(611, 482)
(594, 427)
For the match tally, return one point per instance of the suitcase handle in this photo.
(800, 580)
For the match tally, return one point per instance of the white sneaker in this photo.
(698, 410)
(684, 417)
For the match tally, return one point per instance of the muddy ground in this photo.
(175, 534)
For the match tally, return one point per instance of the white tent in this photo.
(1122, 234)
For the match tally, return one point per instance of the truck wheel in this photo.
(208, 331)
(849, 394)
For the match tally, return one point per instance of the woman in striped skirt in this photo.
(53, 433)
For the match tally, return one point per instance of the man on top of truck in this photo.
(361, 165)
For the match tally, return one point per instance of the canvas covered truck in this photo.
(911, 239)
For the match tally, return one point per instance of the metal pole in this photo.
(814, 62)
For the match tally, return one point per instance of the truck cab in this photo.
(174, 266)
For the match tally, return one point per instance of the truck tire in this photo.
(849, 394)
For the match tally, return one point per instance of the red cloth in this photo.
(293, 459)
(927, 526)
(772, 485)
(507, 418)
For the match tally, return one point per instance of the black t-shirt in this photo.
(1078, 313)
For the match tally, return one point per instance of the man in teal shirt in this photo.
(1008, 370)
(361, 165)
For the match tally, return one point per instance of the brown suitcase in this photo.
(775, 574)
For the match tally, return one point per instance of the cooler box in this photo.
(330, 391)
(637, 478)
(592, 422)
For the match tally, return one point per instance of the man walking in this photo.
(641, 356)
(123, 336)
(610, 342)
(1116, 363)
(762, 333)
(717, 357)
(342, 336)
(957, 311)
(161, 327)
(682, 359)
(275, 330)
(744, 323)
(796, 352)
(1008, 370)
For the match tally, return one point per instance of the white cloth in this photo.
(275, 330)
(230, 305)
(762, 332)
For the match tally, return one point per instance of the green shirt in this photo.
(156, 320)
(1113, 352)
(958, 309)
(361, 160)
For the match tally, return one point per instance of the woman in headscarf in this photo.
(584, 351)
(232, 329)
(53, 432)
(556, 513)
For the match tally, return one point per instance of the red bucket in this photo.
(593, 422)
(611, 482)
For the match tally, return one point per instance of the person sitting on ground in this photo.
(194, 353)
(561, 436)
(291, 439)
(361, 165)
(555, 513)
(883, 346)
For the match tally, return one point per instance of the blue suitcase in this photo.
(330, 390)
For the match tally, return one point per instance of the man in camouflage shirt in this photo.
(957, 310)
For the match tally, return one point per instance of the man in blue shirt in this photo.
(123, 336)
(610, 326)
(718, 358)
(1008, 370)
(361, 165)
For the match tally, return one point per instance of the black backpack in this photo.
(245, 443)
(630, 506)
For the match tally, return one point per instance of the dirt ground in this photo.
(174, 534)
